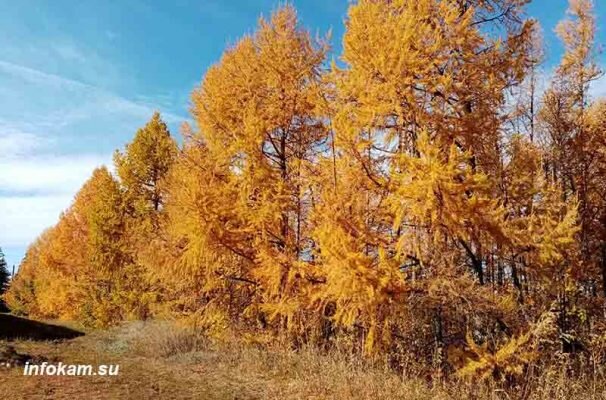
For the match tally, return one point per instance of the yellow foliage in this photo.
(509, 360)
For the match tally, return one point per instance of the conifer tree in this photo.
(142, 167)
(571, 159)
(21, 296)
(78, 268)
(142, 170)
(415, 215)
(4, 278)
(259, 122)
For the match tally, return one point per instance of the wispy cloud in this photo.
(94, 94)
(36, 76)
(25, 217)
(48, 174)
(53, 132)
(70, 53)
(15, 143)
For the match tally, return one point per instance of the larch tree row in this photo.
(423, 199)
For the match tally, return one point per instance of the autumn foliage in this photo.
(419, 199)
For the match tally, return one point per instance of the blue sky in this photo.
(77, 78)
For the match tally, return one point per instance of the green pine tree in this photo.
(4, 280)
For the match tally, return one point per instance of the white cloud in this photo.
(15, 143)
(25, 217)
(35, 190)
(48, 174)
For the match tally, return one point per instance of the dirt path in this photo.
(160, 360)
(144, 371)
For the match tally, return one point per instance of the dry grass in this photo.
(162, 360)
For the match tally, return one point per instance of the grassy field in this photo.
(160, 360)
